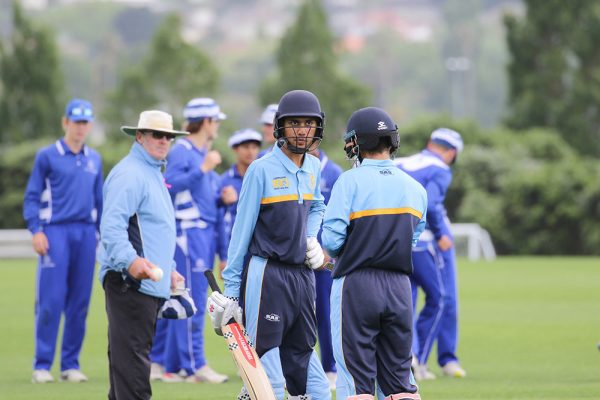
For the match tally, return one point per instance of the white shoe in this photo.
(172, 377)
(41, 376)
(422, 373)
(156, 372)
(454, 369)
(208, 375)
(331, 377)
(73, 375)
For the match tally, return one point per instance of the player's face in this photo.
(300, 130)
(212, 126)
(157, 144)
(76, 131)
(246, 152)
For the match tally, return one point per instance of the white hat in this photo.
(202, 107)
(153, 120)
(268, 116)
(448, 138)
(244, 135)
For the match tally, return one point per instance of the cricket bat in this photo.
(251, 370)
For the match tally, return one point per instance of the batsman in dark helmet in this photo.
(299, 122)
(375, 215)
(280, 210)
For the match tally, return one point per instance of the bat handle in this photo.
(212, 282)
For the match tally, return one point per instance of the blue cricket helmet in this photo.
(298, 103)
(366, 127)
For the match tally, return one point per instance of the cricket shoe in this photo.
(172, 377)
(41, 376)
(73, 376)
(207, 375)
(454, 369)
(422, 373)
(156, 372)
(331, 378)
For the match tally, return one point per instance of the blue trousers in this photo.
(184, 339)
(63, 286)
(448, 334)
(323, 283)
(428, 275)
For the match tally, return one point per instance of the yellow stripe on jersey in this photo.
(385, 211)
(285, 197)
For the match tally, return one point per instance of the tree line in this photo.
(533, 182)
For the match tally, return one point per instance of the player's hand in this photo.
(140, 269)
(221, 310)
(229, 195)
(445, 243)
(177, 280)
(40, 243)
(211, 160)
(315, 258)
(222, 265)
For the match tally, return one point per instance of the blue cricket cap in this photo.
(79, 110)
(243, 136)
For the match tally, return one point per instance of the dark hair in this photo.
(194, 127)
(382, 145)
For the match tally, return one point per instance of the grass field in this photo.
(529, 330)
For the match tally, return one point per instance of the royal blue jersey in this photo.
(63, 187)
(435, 176)
(194, 192)
(375, 215)
(280, 205)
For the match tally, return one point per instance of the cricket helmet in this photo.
(299, 103)
(365, 129)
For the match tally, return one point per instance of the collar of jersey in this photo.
(377, 163)
(66, 149)
(289, 164)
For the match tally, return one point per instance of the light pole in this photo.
(457, 67)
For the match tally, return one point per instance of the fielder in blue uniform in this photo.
(62, 207)
(246, 144)
(374, 217)
(434, 260)
(330, 172)
(280, 211)
(194, 186)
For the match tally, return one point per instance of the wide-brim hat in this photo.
(153, 120)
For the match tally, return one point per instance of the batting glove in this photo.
(314, 253)
(222, 310)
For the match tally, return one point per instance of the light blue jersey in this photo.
(280, 205)
(138, 220)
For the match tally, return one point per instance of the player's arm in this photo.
(98, 184)
(179, 175)
(422, 222)
(337, 217)
(248, 208)
(33, 192)
(317, 209)
(436, 193)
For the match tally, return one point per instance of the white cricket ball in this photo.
(157, 274)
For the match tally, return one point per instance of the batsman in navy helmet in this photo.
(299, 122)
(274, 251)
(375, 215)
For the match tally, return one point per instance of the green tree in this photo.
(31, 84)
(554, 71)
(171, 73)
(306, 60)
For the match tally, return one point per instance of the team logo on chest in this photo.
(91, 167)
(281, 183)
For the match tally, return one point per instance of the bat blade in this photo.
(251, 369)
